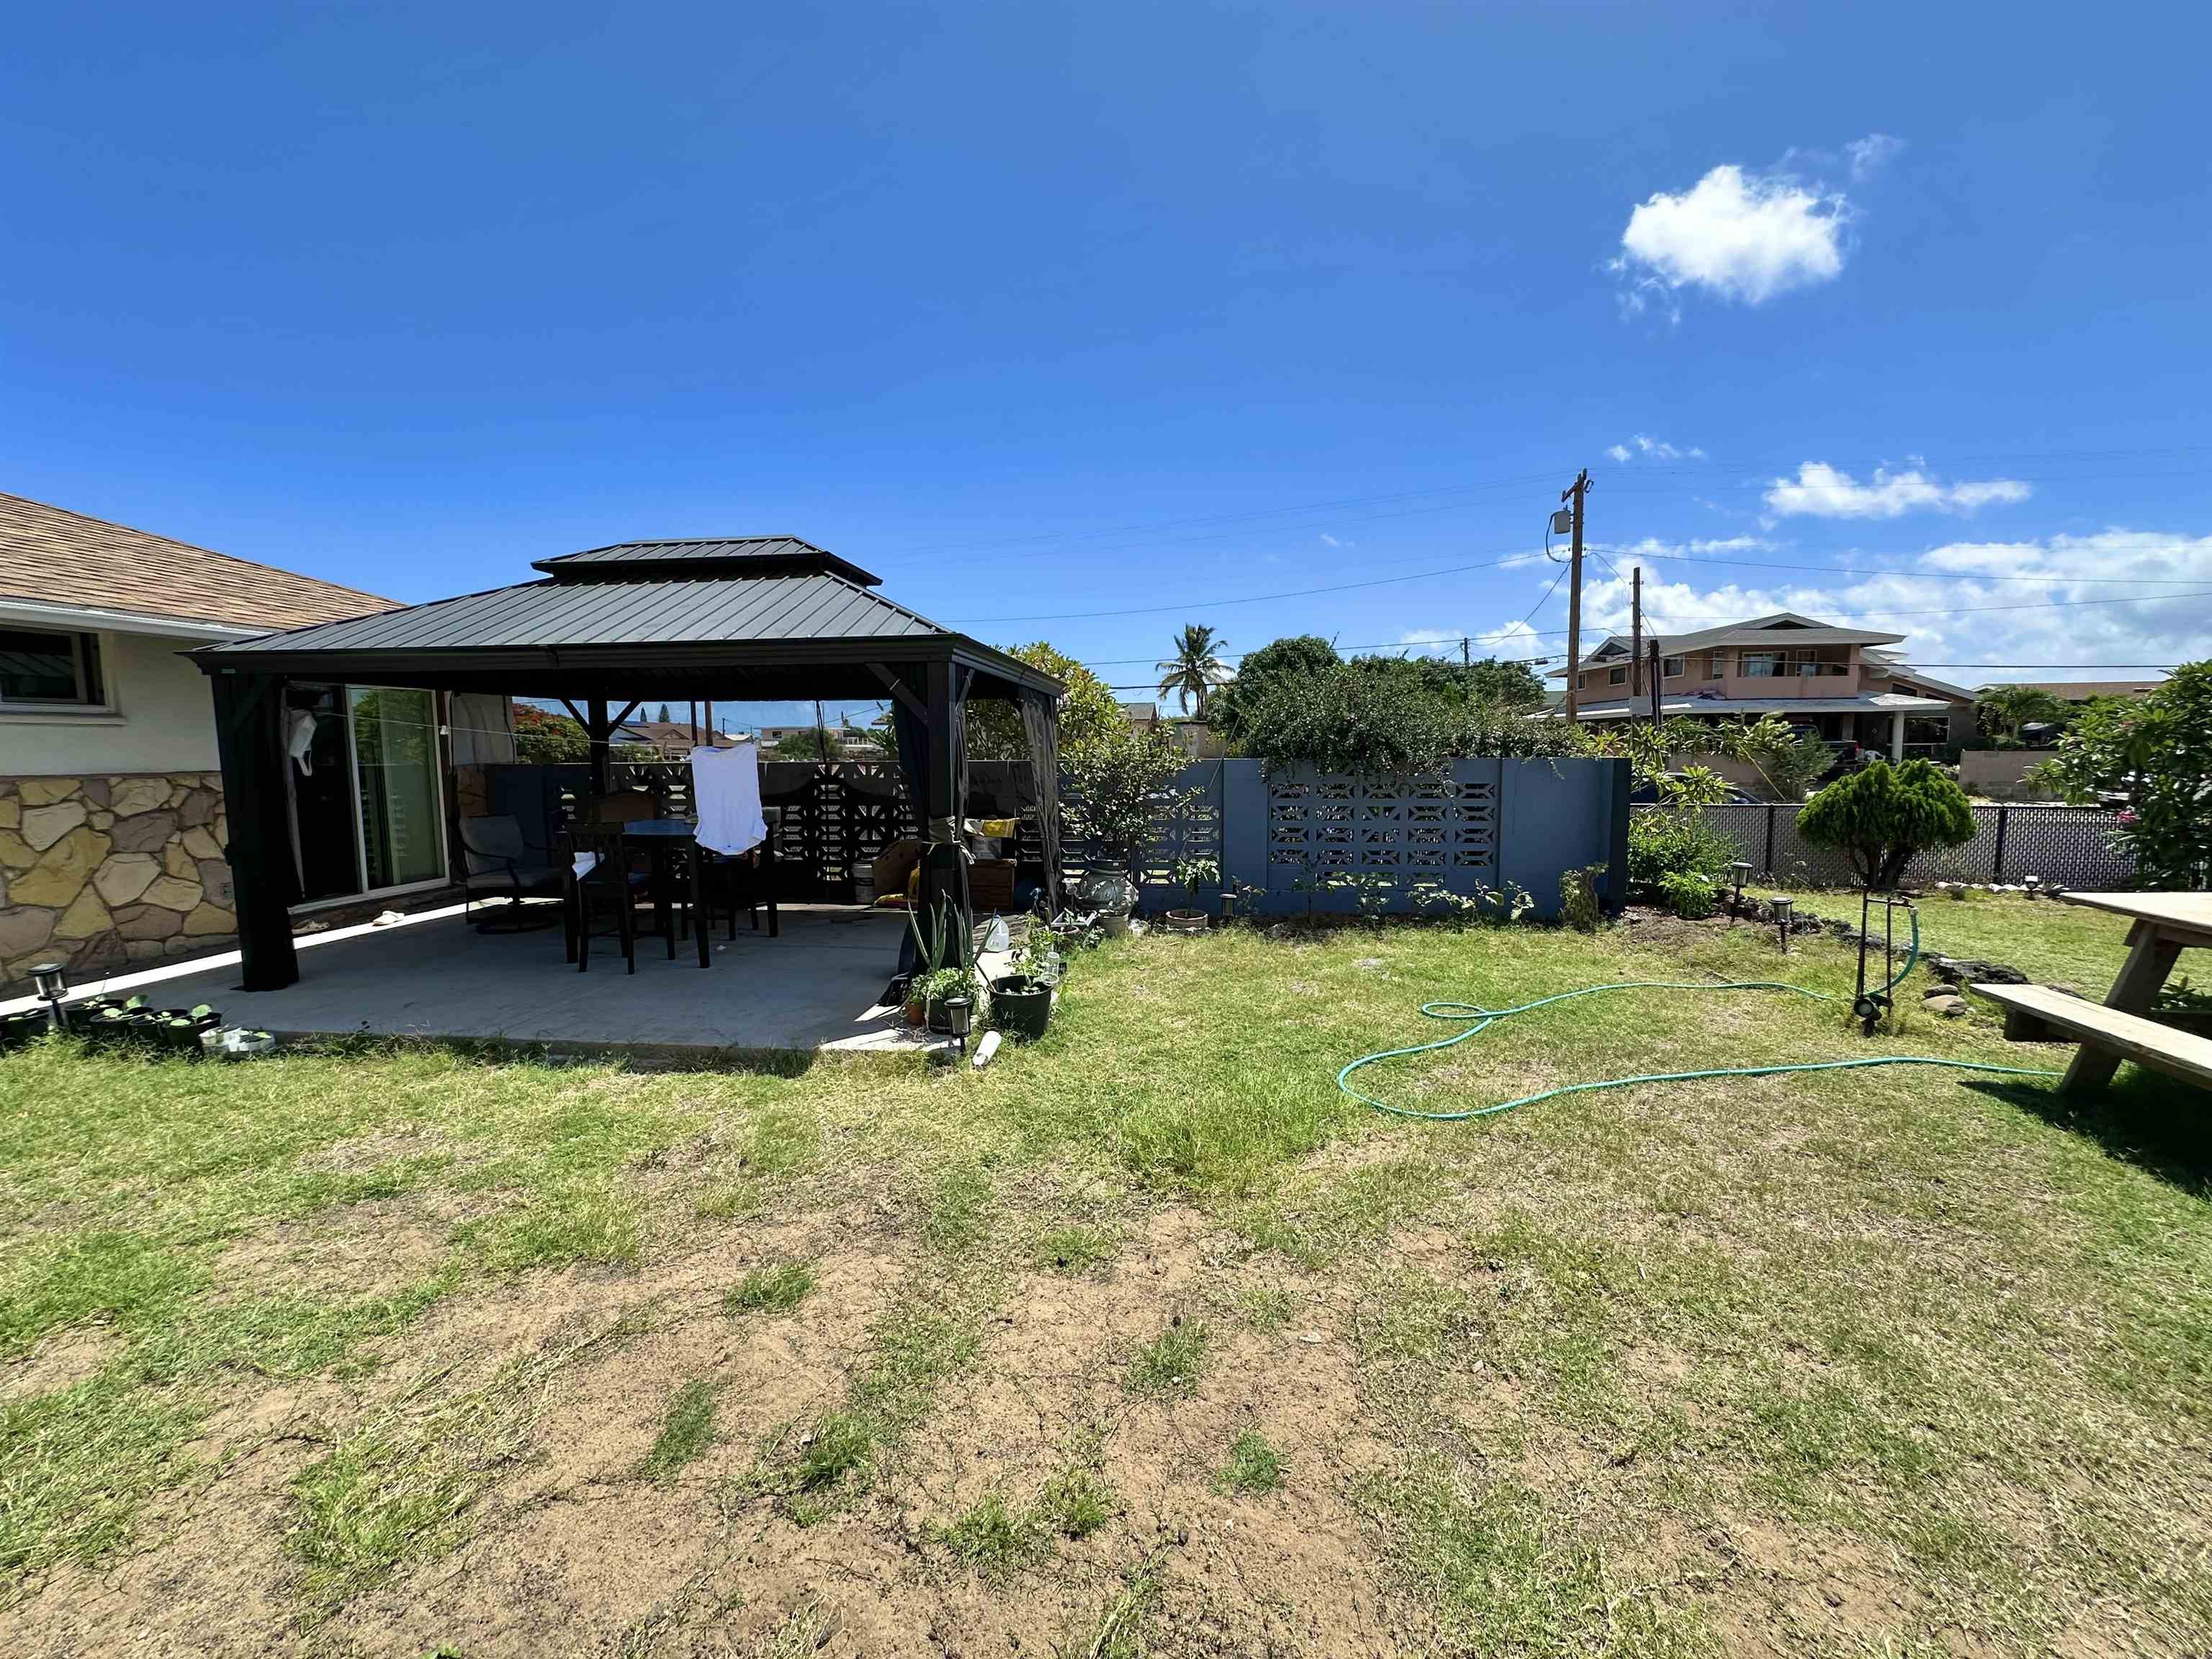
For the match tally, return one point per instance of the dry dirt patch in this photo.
(62, 1359)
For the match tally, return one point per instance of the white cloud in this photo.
(1657, 449)
(1870, 154)
(1332, 541)
(1744, 236)
(1823, 492)
(1516, 639)
(2158, 614)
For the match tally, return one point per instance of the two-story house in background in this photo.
(1841, 684)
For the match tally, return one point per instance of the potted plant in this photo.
(938, 988)
(117, 1025)
(1191, 874)
(17, 1030)
(1021, 1005)
(236, 1042)
(179, 1030)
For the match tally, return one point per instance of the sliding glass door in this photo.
(368, 813)
(395, 761)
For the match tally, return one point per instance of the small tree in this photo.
(2154, 752)
(544, 739)
(1881, 815)
(1122, 780)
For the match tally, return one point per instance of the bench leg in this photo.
(2090, 1071)
(2020, 1026)
(2150, 959)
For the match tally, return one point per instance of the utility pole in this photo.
(1635, 632)
(1466, 658)
(1575, 492)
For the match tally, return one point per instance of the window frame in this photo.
(1617, 676)
(1672, 668)
(88, 665)
(1776, 667)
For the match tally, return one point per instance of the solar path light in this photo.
(52, 979)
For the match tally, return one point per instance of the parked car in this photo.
(1647, 794)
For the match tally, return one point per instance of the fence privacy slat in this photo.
(2071, 846)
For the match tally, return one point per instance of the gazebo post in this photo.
(942, 879)
(249, 710)
(598, 730)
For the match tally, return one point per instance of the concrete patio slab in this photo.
(431, 975)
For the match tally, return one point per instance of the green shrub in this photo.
(2156, 751)
(1296, 700)
(1578, 901)
(1881, 815)
(1687, 894)
(1668, 842)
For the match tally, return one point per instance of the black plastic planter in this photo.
(18, 1030)
(1021, 1007)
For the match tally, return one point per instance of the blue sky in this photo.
(1040, 309)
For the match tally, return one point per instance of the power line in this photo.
(1846, 616)
(1704, 473)
(1250, 598)
(1639, 552)
(1916, 575)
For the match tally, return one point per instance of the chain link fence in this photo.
(2071, 846)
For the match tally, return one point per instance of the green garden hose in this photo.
(1485, 1018)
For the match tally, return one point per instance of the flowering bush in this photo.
(2155, 753)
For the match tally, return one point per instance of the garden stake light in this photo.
(52, 979)
(1783, 904)
(957, 1013)
(1740, 870)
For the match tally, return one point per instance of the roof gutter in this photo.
(114, 621)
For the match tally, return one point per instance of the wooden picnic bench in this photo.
(2115, 1029)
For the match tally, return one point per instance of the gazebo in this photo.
(744, 619)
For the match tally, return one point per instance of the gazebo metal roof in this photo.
(761, 618)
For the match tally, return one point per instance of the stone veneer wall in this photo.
(103, 871)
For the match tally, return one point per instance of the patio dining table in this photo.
(663, 840)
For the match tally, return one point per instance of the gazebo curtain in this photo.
(941, 804)
(264, 885)
(1041, 726)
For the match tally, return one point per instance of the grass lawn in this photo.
(1143, 1341)
(2052, 942)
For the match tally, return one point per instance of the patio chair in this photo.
(722, 885)
(604, 883)
(502, 863)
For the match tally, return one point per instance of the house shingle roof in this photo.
(50, 556)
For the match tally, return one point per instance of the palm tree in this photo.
(1195, 670)
(2005, 708)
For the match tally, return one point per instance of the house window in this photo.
(1934, 730)
(54, 671)
(1761, 665)
(1616, 676)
